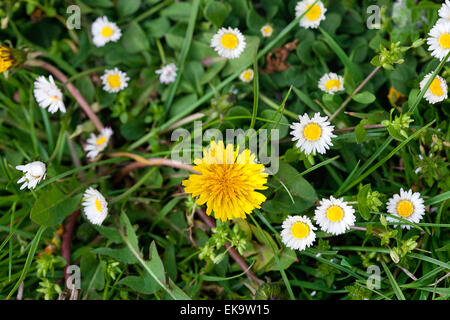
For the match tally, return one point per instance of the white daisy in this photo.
(168, 73)
(313, 17)
(407, 205)
(266, 30)
(104, 31)
(298, 232)
(437, 90)
(96, 144)
(313, 135)
(228, 42)
(48, 95)
(439, 40)
(114, 80)
(334, 215)
(247, 75)
(34, 173)
(444, 11)
(95, 206)
(331, 83)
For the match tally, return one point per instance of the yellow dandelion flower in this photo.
(227, 181)
(7, 59)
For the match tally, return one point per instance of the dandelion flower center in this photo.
(114, 81)
(98, 205)
(335, 213)
(229, 41)
(334, 83)
(405, 208)
(436, 88)
(300, 230)
(312, 132)
(314, 13)
(227, 182)
(107, 32)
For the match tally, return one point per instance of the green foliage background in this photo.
(144, 250)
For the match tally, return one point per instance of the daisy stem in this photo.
(72, 89)
(161, 52)
(349, 98)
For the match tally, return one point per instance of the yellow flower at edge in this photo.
(227, 181)
(6, 58)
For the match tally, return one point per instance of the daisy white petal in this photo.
(437, 91)
(96, 144)
(334, 216)
(313, 17)
(48, 95)
(444, 11)
(228, 43)
(312, 135)
(407, 205)
(95, 206)
(114, 80)
(247, 75)
(331, 83)
(34, 172)
(439, 40)
(168, 73)
(298, 232)
(104, 31)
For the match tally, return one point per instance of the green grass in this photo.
(154, 243)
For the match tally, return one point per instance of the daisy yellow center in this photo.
(114, 81)
(335, 213)
(98, 205)
(101, 141)
(36, 176)
(405, 208)
(107, 32)
(56, 98)
(300, 230)
(334, 83)
(248, 75)
(436, 88)
(229, 41)
(227, 182)
(267, 30)
(314, 13)
(312, 132)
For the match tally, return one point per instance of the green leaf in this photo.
(178, 11)
(363, 208)
(216, 12)
(134, 39)
(128, 7)
(123, 255)
(360, 133)
(364, 97)
(53, 206)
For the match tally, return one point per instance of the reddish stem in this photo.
(67, 239)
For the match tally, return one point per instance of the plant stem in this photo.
(349, 98)
(232, 251)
